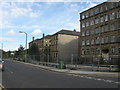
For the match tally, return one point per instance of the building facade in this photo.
(64, 46)
(100, 34)
(44, 46)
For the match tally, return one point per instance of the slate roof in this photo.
(68, 32)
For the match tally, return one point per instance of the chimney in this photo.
(74, 30)
(33, 38)
(43, 35)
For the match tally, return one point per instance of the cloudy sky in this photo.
(36, 18)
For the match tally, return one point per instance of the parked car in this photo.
(1, 65)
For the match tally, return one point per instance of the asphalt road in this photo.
(17, 75)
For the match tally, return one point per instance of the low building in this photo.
(64, 46)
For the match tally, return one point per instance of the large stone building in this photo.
(43, 45)
(100, 33)
(64, 46)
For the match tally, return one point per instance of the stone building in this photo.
(43, 45)
(64, 46)
(100, 33)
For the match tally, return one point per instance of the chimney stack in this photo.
(33, 38)
(74, 30)
(43, 35)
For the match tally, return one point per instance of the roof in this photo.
(68, 32)
(46, 37)
(93, 7)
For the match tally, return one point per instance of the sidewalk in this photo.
(1, 87)
(76, 72)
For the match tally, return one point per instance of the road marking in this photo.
(9, 70)
(99, 79)
(117, 82)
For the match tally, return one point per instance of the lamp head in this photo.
(20, 32)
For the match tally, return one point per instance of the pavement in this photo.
(76, 72)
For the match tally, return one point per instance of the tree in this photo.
(34, 50)
(20, 50)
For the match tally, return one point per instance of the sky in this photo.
(38, 17)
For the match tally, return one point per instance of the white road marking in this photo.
(117, 82)
(99, 79)
(9, 70)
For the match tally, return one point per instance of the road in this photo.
(18, 75)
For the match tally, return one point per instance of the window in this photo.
(97, 40)
(83, 16)
(119, 50)
(101, 9)
(88, 51)
(91, 12)
(106, 17)
(118, 14)
(87, 32)
(88, 42)
(83, 42)
(87, 15)
(106, 7)
(56, 37)
(113, 50)
(102, 29)
(112, 38)
(112, 16)
(92, 22)
(87, 23)
(111, 4)
(101, 19)
(96, 10)
(92, 51)
(118, 25)
(106, 39)
(118, 38)
(102, 40)
(83, 25)
(106, 28)
(97, 51)
(83, 33)
(96, 20)
(83, 51)
(97, 30)
(92, 32)
(92, 41)
(112, 27)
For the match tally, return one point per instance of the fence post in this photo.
(72, 59)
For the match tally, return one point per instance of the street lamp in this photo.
(26, 44)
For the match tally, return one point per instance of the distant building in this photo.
(64, 46)
(100, 33)
(43, 45)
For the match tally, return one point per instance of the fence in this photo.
(73, 63)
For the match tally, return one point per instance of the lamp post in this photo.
(26, 44)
